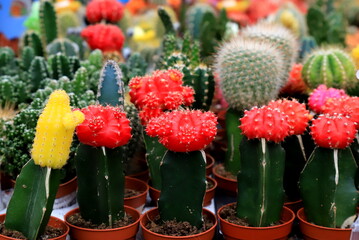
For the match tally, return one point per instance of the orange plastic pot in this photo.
(314, 232)
(209, 164)
(138, 201)
(125, 233)
(279, 232)
(143, 175)
(208, 196)
(226, 184)
(53, 222)
(294, 206)
(151, 214)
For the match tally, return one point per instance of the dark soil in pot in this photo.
(174, 228)
(77, 220)
(221, 171)
(50, 232)
(131, 193)
(229, 214)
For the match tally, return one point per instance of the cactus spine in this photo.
(100, 168)
(41, 176)
(330, 66)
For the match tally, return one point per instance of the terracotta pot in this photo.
(138, 201)
(314, 232)
(125, 233)
(143, 175)
(209, 195)
(53, 222)
(294, 206)
(279, 232)
(209, 164)
(229, 186)
(64, 188)
(151, 214)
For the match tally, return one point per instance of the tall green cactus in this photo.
(182, 194)
(39, 70)
(33, 40)
(48, 22)
(260, 182)
(327, 186)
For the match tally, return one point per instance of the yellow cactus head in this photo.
(289, 21)
(54, 131)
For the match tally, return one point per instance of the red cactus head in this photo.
(298, 115)
(104, 126)
(321, 94)
(184, 130)
(335, 131)
(347, 106)
(163, 90)
(265, 122)
(295, 84)
(104, 37)
(109, 10)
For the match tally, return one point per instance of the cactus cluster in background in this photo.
(331, 66)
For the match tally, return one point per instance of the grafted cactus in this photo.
(328, 181)
(41, 175)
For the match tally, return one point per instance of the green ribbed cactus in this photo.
(250, 73)
(60, 66)
(33, 40)
(331, 66)
(261, 175)
(48, 22)
(100, 169)
(80, 80)
(75, 64)
(13, 91)
(39, 70)
(280, 37)
(27, 55)
(194, 17)
(64, 46)
(39, 179)
(7, 61)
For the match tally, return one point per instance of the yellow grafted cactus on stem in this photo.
(54, 131)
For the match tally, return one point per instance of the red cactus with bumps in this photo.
(298, 115)
(265, 122)
(109, 10)
(295, 84)
(104, 127)
(184, 130)
(335, 131)
(321, 94)
(160, 91)
(347, 106)
(104, 37)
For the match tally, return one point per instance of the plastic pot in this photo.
(139, 200)
(228, 185)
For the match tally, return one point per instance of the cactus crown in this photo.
(54, 131)
(250, 72)
(297, 115)
(321, 94)
(109, 10)
(184, 130)
(265, 122)
(335, 131)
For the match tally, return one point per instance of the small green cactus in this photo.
(194, 18)
(331, 66)
(39, 70)
(64, 46)
(134, 66)
(60, 66)
(13, 91)
(27, 55)
(33, 40)
(7, 62)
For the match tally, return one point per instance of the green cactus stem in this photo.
(33, 40)
(135, 65)
(27, 55)
(182, 194)
(260, 182)
(48, 22)
(327, 186)
(39, 70)
(60, 66)
(35, 188)
(166, 20)
(232, 161)
(110, 88)
(64, 46)
(100, 178)
(154, 155)
(80, 81)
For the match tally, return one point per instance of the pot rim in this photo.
(141, 182)
(220, 176)
(194, 236)
(66, 233)
(76, 210)
(258, 228)
(301, 216)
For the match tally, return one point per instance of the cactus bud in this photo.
(54, 131)
(184, 131)
(321, 94)
(265, 122)
(298, 116)
(333, 131)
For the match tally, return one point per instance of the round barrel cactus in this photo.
(330, 66)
